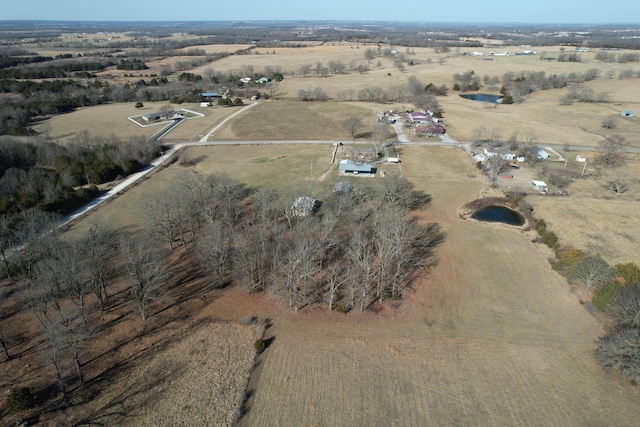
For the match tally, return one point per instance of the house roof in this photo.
(209, 94)
(350, 165)
(539, 183)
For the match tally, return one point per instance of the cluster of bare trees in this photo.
(68, 286)
(361, 247)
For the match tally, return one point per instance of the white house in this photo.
(579, 158)
(499, 151)
(540, 186)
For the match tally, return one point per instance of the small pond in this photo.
(482, 97)
(499, 214)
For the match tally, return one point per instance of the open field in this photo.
(501, 341)
(578, 124)
(294, 120)
(492, 336)
(111, 119)
(279, 167)
(196, 380)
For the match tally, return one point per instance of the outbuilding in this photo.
(305, 206)
(350, 167)
(540, 186)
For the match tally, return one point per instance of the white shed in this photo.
(540, 186)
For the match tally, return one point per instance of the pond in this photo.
(482, 97)
(499, 214)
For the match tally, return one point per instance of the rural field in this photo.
(501, 341)
(490, 336)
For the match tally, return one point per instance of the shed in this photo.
(627, 113)
(540, 186)
(541, 154)
(349, 166)
(393, 159)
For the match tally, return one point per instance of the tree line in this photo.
(616, 292)
(52, 177)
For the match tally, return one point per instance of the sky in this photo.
(499, 11)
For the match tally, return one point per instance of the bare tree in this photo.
(625, 308)
(592, 271)
(478, 135)
(618, 184)
(610, 122)
(617, 352)
(146, 270)
(215, 247)
(610, 150)
(400, 192)
(3, 341)
(352, 126)
(98, 251)
(304, 70)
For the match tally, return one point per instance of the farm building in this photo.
(627, 113)
(479, 157)
(503, 152)
(419, 117)
(540, 186)
(349, 166)
(305, 206)
(542, 155)
(432, 130)
(151, 117)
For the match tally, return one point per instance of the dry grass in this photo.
(298, 120)
(111, 119)
(500, 341)
(593, 218)
(196, 381)
(491, 337)
(275, 166)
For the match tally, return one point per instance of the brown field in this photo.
(579, 124)
(492, 336)
(196, 380)
(299, 120)
(500, 341)
(111, 119)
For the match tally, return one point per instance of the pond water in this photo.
(482, 97)
(499, 214)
